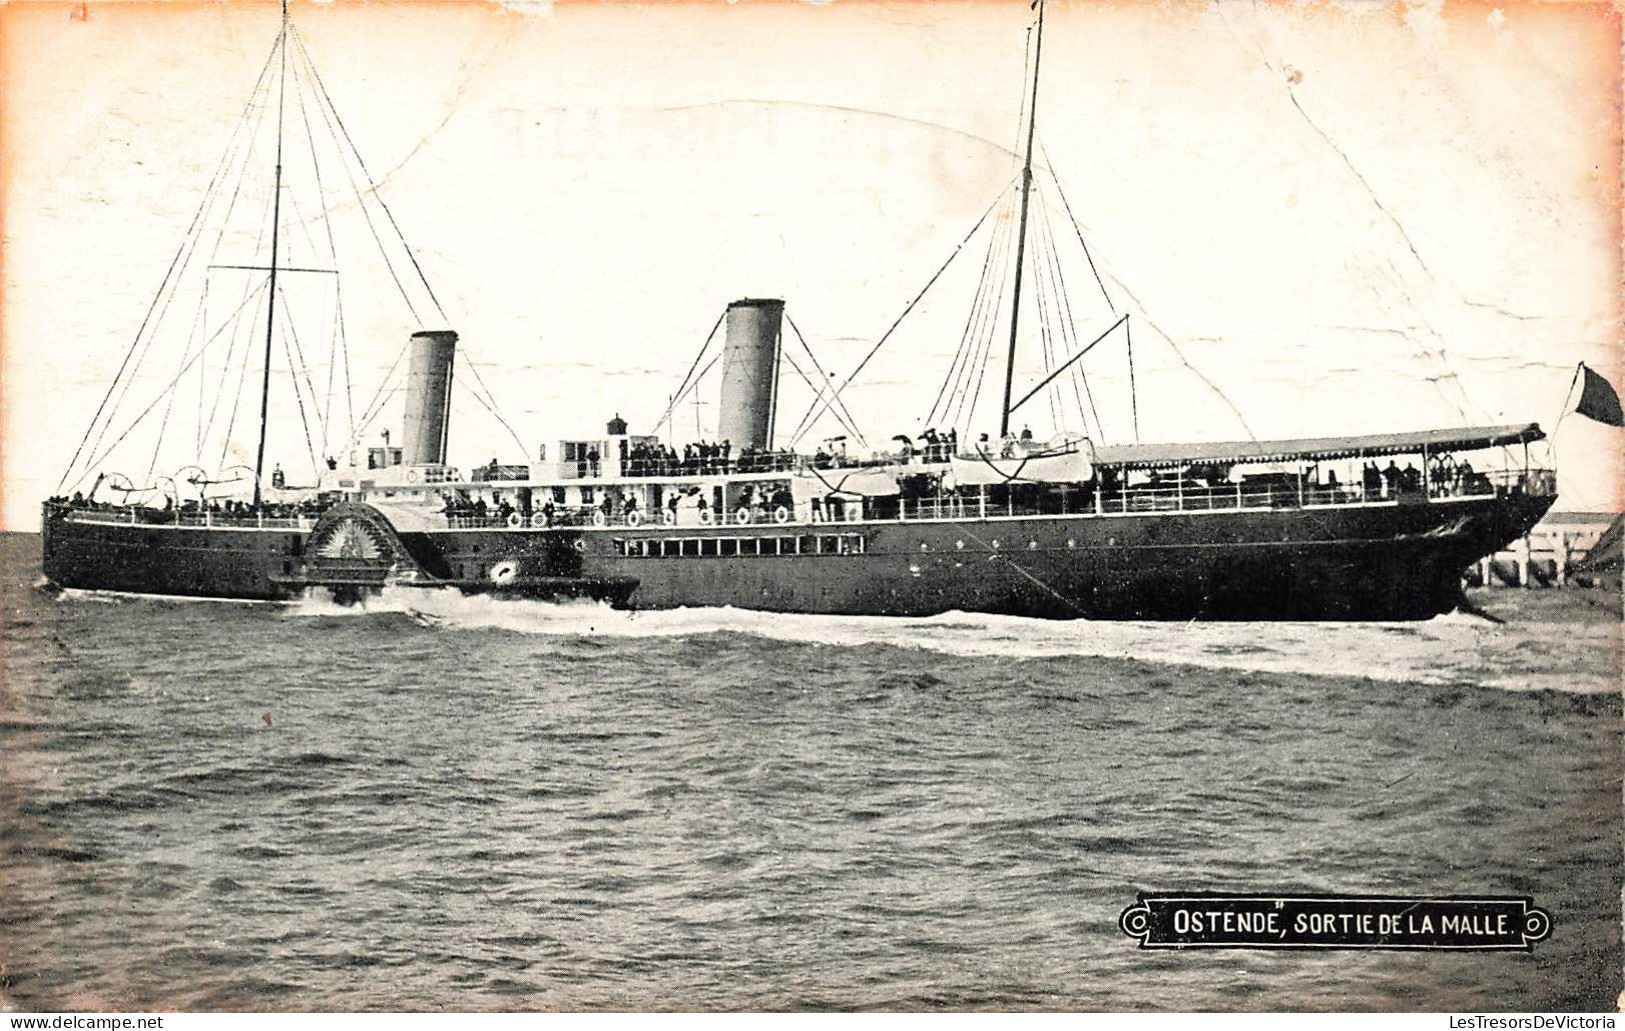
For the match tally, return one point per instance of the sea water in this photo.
(433, 801)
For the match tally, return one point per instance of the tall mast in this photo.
(276, 221)
(1021, 232)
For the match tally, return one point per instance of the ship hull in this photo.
(1397, 561)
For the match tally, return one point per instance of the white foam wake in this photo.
(1453, 648)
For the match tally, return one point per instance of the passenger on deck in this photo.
(1026, 433)
(817, 510)
(278, 480)
(592, 461)
(1411, 479)
(1390, 479)
(1467, 482)
(1371, 480)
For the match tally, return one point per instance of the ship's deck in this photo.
(1022, 501)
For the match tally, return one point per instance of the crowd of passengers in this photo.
(761, 501)
(1446, 478)
(224, 509)
(655, 459)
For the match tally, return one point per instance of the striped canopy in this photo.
(1147, 456)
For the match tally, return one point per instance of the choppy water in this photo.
(448, 802)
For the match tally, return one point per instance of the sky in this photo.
(1320, 218)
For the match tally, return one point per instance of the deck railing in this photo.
(138, 516)
(1079, 500)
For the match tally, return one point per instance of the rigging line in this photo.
(171, 289)
(493, 407)
(298, 395)
(802, 425)
(166, 294)
(1133, 393)
(682, 388)
(344, 349)
(1064, 599)
(298, 216)
(242, 377)
(979, 301)
(848, 423)
(151, 405)
(982, 337)
(679, 398)
(1076, 228)
(847, 427)
(381, 398)
(1046, 275)
(202, 375)
(992, 327)
(1120, 320)
(327, 395)
(1046, 341)
(248, 286)
(196, 220)
(302, 368)
(191, 339)
(332, 253)
(315, 163)
(851, 424)
(367, 413)
(328, 120)
(962, 352)
(372, 185)
(1069, 324)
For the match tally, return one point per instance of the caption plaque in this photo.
(1219, 921)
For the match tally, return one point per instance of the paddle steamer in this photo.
(1369, 527)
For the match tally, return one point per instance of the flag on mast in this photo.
(1598, 400)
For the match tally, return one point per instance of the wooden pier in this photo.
(1546, 557)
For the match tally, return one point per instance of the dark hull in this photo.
(1399, 561)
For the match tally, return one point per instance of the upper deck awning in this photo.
(1145, 456)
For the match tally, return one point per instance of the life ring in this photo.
(705, 517)
(505, 572)
(781, 515)
(515, 520)
(411, 476)
(671, 518)
(742, 517)
(581, 545)
(538, 519)
(634, 518)
(599, 519)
